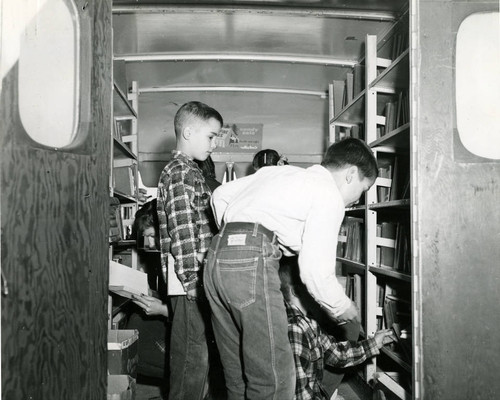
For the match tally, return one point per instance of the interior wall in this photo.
(292, 124)
(457, 216)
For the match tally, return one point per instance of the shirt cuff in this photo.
(340, 307)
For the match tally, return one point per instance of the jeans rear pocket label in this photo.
(237, 240)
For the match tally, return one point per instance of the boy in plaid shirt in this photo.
(185, 236)
(312, 348)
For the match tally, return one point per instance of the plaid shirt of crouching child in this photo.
(183, 207)
(312, 349)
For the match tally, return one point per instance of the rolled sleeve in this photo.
(317, 257)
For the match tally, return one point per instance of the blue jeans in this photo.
(188, 349)
(248, 313)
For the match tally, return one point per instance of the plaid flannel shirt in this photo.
(313, 348)
(183, 207)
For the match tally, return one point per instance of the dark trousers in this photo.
(188, 349)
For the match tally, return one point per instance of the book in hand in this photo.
(127, 282)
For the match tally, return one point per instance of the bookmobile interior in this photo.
(89, 91)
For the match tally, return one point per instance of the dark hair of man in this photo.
(265, 158)
(351, 151)
(194, 109)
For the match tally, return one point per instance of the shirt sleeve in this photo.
(302, 358)
(182, 227)
(344, 354)
(317, 257)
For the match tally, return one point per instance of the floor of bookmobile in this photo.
(350, 389)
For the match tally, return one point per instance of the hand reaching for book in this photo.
(384, 337)
(151, 305)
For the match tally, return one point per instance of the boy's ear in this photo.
(351, 172)
(186, 132)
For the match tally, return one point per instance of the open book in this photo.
(126, 281)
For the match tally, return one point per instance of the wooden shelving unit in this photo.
(124, 159)
(386, 79)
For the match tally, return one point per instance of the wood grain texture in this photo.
(54, 207)
(458, 215)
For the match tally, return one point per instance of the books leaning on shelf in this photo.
(353, 228)
(126, 281)
(338, 97)
(384, 181)
(396, 113)
(354, 289)
(393, 246)
(124, 180)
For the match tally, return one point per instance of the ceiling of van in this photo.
(266, 61)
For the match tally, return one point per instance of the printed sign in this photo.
(239, 138)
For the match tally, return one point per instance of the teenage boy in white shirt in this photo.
(298, 211)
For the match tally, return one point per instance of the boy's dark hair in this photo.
(194, 109)
(351, 151)
(291, 284)
(146, 217)
(265, 158)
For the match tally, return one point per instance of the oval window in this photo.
(478, 84)
(49, 74)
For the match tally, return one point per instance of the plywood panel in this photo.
(457, 215)
(54, 205)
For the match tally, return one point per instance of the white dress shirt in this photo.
(304, 208)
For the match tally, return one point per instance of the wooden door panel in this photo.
(54, 255)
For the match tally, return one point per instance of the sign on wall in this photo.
(239, 138)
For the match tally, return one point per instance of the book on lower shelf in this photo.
(397, 316)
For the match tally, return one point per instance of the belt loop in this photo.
(255, 229)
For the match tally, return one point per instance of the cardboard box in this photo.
(122, 352)
(121, 387)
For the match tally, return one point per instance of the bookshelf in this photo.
(123, 182)
(378, 252)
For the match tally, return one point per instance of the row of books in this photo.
(342, 92)
(350, 244)
(122, 128)
(396, 113)
(115, 221)
(121, 217)
(395, 183)
(400, 42)
(395, 252)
